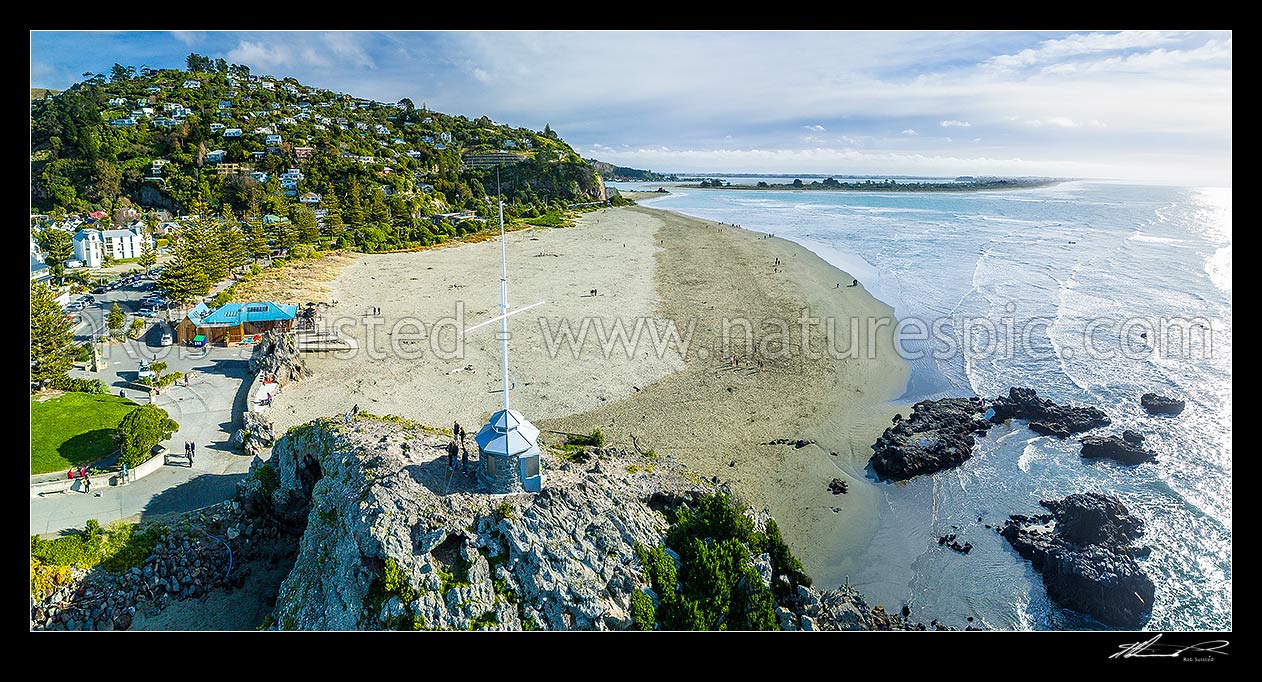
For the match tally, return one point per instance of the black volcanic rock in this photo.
(937, 436)
(1160, 404)
(1083, 551)
(1044, 416)
(1126, 449)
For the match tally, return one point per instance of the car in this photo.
(166, 340)
(99, 290)
(87, 298)
(147, 312)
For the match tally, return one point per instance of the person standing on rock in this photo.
(451, 454)
(464, 455)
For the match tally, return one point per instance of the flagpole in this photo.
(503, 290)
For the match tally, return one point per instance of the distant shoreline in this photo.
(918, 187)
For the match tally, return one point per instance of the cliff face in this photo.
(394, 539)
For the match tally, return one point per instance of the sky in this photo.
(1143, 106)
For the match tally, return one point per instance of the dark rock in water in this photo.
(838, 487)
(937, 436)
(1086, 557)
(1160, 404)
(1125, 449)
(951, 541)
(799, 443)
(1044, 416)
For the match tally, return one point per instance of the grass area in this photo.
(116, 547)
(550, 219)
(74, 429)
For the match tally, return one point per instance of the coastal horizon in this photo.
(314, 347)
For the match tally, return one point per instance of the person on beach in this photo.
(192, 450)
(464, 456)
(451, 454)
(455, 430)
(87, 482)
(854, 283)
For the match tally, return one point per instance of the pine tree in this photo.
(148, 257)
(305, 225)
(378, 211)
(51, 337)
(231, 240)
(58, 248)
(256, 243)
(354, 206)
(115, 320)
(183, 279)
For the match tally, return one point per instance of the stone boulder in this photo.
(937, 436)
(1084, 551)
(1160, 404)
(1127, 449)
(276, 356)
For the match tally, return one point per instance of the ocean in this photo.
(1091, 293)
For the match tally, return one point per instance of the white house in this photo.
(215, 156)
(232, 132)
(216, 127)
(91, 246)
(272, 140)
(310, 198)
(193, 85)
(118, 101)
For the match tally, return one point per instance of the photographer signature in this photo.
(1151, 649)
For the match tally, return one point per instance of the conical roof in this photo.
(507, 433)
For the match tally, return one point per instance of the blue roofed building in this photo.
(235, 322)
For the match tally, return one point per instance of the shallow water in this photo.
(1054, 287)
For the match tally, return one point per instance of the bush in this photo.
(77, 385)
(221, 298)
(83, 353)
(642, 612)
(595, 439)
(302, 251)
(142, 429)
(137, 328)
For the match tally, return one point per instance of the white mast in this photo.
(503, 289)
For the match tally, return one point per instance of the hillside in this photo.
(625, 174)
(40, 93)
(374, 173)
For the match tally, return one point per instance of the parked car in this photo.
(167, 339)
(87, 299)
(99, 290)
(147, 312)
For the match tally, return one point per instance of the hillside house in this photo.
(232, 132)
(216, 127)
(310, 198)
(215, 156)
(303, 152)
(193, 84)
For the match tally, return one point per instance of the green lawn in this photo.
(74, 429)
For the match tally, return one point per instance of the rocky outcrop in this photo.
(254, 436)
(939, 435)
(393, 539)
(1127, 449)
(1160, 404)
(1044, 416)
(1084, 551)
(276, 356)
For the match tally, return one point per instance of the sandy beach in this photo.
(681, 396)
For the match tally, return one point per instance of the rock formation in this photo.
(1127, 449)
(1160, 404)
(1083, 550)
(276, 356)
(939, 435)
(1044, 416)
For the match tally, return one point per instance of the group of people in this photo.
(457, 445)
(189, 450)
(82, 474)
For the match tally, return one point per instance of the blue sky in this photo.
(1148, 106)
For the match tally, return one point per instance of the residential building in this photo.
(310, 198)
(193, 84)
(232, 132)
(215, 156)
(303, 152)
(91, 246)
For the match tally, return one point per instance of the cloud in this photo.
(955, 124)
(909, 131)
(817, 128)
(189, 38)
(261, 57)
(1083, 44)
(1054, 121)
(346, 49)
(482, 75)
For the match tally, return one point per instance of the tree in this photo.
(797, 182)
(183, 279)
(148, 257)
(231, 240)
(256, 243)
(52, 343)
(142, 429)
(58, 248)
(115, 320)
(118, 73)
(305, 225)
